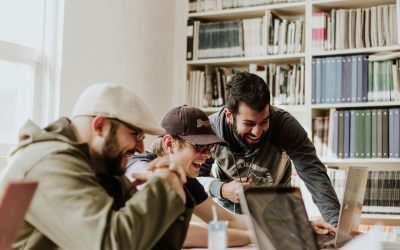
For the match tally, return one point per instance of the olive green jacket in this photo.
(70, 210)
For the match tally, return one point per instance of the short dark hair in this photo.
(249, 89)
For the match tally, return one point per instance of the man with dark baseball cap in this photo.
(77, 161)
(188, 142)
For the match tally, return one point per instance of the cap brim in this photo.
(204, 139)
(154, 130)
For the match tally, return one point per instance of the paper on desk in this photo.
(365, 241)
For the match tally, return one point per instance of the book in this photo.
(385, 133)
(379, 133)
(341, 135)
(346, 135)
(368, 133)
(352, 132)
(374, 133)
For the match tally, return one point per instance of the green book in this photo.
(375, 84)
(359, 147)
(389, 68)
(368, 133)
(373, 134)
(370, 82)
(384, 73)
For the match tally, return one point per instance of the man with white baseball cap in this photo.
(77, 161)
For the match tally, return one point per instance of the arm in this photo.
(78, 211)
(211, 185)
(198, 236)
(204, 212)
(309, 168)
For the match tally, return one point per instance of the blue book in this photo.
(391, 133)
(359, 78)
(328, 81)
(346, 137)
(331, 76)
(346, 79)
(323, 81)
(341, 134)
(396, 133)
(313, 97)
(335, 134)
(352, 131)
(354, 87)
(338, 84)
(364, 78)
(318, 81)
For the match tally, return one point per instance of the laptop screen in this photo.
(279, 214)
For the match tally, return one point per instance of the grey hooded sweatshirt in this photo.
(285, 141)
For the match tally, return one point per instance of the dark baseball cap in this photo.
(190, 124)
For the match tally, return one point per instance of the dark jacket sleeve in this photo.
(310, 169)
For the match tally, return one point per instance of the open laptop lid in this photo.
(277, 218)
(353, 199)
(14, 203)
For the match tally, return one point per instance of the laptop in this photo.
(14, 204)
(278, 219)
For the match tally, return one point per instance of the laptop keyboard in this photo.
(322, 238)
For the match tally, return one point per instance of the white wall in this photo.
(130, 42)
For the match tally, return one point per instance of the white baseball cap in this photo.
(115, 101)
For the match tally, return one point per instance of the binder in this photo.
(352, 132)
(354, 80)
(313, 82)
(338, 84)
(341, 135)
(368, 133)
(335, 134)
(346, 136)
(364, 78)
(323, 80)
(385, 133)
(318, 81)
(360, 134)
(379, 133)
(391, 129)
(396, 133)
(373, 133)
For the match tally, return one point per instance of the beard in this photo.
(242, 137)
(112, 155)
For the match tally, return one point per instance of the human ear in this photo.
(168, 142)
(98, 125)
(229, 116)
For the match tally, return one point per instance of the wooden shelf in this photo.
(380, 216)
(284, 9)
(327, 5)
(355, 51)
(355, 105)
(360, 160)
(241, 61)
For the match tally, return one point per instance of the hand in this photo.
(230, 190)
(321, 227)
(164, 162)
(165, 174)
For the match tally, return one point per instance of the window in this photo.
(30, 65)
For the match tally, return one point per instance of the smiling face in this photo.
(249, 126)
(120, 143)
(186, 155)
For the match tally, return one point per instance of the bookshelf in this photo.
(305, 113)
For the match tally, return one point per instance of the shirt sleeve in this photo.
(309, 168)
(211, 185)
(196, 190)
(137, 168)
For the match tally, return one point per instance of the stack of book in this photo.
(269, 35)
(320, 135)
(286, 83)
(360, 133)
(346, 79)
(355, 28)
(213, 5)
(381, 194)
(207, 89)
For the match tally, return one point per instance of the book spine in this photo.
(385, 133)
(323, 80)
(354, 79)
(341, 135)
(396, 133)
(373, 133)
(379, 133)
(189, 39)
(364, 78)
(352, 132)
(346, 136)
(368, 133)
(335, 134)
(359, 78)
(360, 134)
(338, 84)
(318, 81)
(391, 133)
(313, 87)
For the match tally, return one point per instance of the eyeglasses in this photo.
(199, 148)
(140, 135)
